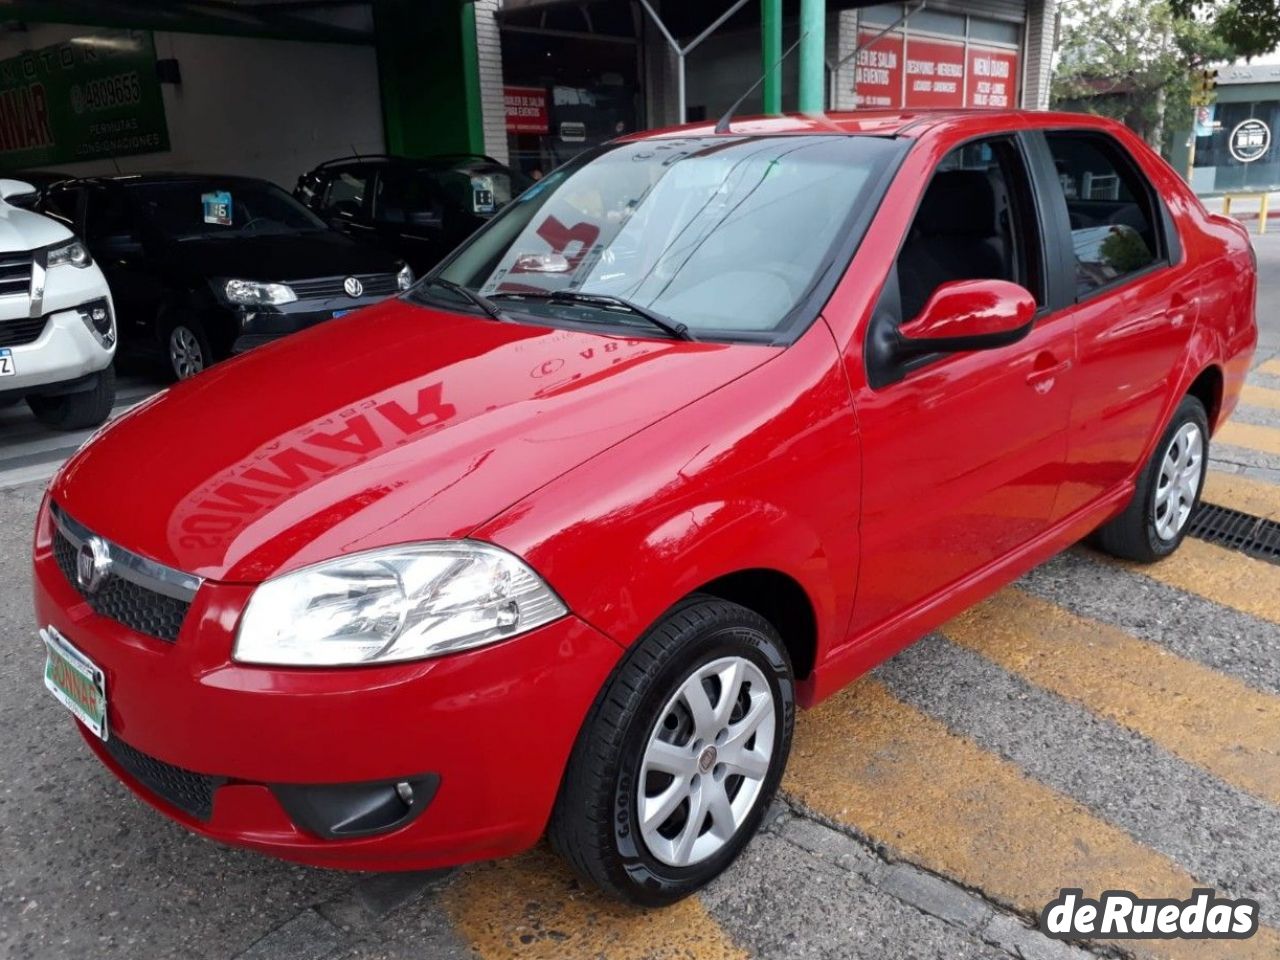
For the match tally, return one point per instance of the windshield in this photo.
(725, 235)
(197, 209)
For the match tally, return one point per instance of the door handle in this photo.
(1043, 379)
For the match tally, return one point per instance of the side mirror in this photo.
(969, 315)
(15, 188)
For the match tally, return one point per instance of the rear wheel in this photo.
(1155, 522)
(680, 756)
(78, 411)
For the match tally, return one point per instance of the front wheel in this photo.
(78, 411)
(1155, 522)
(188, 348)
(680, 755)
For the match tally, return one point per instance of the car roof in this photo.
(882, 123)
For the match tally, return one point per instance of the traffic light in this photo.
(1204, 86)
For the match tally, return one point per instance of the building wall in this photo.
(1042, 35)
(264, 108)
(489, 55)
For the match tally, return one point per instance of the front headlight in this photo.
(250, 293)
(397, 603)
(404, 279)
(75, 253)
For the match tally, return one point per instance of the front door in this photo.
(964, 453)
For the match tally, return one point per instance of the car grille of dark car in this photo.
(190, 792)
(17, 333)
(123, 601)
(375, 285)
(15, 274)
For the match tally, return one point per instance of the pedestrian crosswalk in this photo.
(31, 452)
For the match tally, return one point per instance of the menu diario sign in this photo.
(896, 71)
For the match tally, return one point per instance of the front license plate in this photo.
(7, 369)
(77, 682)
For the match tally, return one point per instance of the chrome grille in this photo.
(137, 593)
(15, 274)
(375, 285)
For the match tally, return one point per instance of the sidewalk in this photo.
(1245, 207)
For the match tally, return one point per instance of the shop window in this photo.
(1114, 222)
(995, 31)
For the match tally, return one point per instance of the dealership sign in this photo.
(1250, 141)
(94, 96)
(526, 109)
(894, 71)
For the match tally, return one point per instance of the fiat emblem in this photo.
(353, 287)
(93, 564)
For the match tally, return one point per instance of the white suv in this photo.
(57, 323)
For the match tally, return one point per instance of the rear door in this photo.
(1134, 308)
(963, 452)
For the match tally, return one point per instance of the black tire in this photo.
(194, 336)
(595, 825)
(1133, 534)
(78, 411)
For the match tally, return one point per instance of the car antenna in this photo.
(722, 125)
(354, 152)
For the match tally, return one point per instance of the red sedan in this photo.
(700, 428)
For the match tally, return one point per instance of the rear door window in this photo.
(1116, 227)
(345, 194)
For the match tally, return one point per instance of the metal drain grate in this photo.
(1239, 531)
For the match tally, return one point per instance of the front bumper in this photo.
(493, 726)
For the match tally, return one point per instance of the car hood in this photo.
(395, 424)
(283, 257)
(22, 230)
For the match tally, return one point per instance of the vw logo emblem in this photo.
(93, 564)
(353, 287)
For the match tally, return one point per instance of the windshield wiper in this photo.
(483, 302)
(607, 301)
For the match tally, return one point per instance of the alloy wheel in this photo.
(185, 353)
(1179, 481)
(706, 761)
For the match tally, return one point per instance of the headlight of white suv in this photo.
(250, 293)
(397, 603)
(404, 279)
(73, 252)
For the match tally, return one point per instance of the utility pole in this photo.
(771, 53)
(813, 55)
(1204, 90)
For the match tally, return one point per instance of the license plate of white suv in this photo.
(7, 368)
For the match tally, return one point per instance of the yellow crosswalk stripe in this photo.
(1250, 435)
(1271, 367)
(1243, 493)
(1221, 575)
(1260, 397)
(867, 760)
(530, 908)
(1205, 717)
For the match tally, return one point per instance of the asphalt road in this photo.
(1095, 726)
